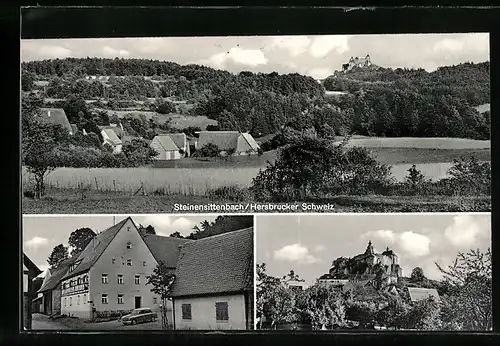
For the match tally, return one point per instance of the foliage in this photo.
(221, 224)
(26, 81)
(79, 239)
(417, 275)
(58, 255)
(176, 234)
(147, 230)
(325, 307)
(232, 193)
(469, 305)
(165, 107)
(162, 280)
(138, 152)
(208, 150)
(468, 175)
(312, 166)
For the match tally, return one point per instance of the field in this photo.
(189, 180)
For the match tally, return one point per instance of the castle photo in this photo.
(378, 272)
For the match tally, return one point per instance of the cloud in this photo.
(108, 51)
(448, 45)
(248, 57)
(36, 242)
(295, 45)
(48, 51)
(463, 231)
(414, 244)
(164, 225)
(322, 45)
(319, 248)
(295, 253)
(387, 236)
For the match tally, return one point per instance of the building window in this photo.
(129, 262)
(221, 311)
(70, 301)
(128, 229)
(65, 303)
(186, 311)
(113, 261)
(137, 279)
(78, 300)
(79, 281)
(85, 299)
(120, 279)
(143, 263)
(104, 298)
(155, 300)
(85, 279)
(120, 298)
(104, 278)
(129, 245)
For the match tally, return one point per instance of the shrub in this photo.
(29, 194)
(208, 150)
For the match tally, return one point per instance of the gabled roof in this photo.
(164, 249)
(117, 129)
(179, 139)
(166, 142)
(32, 268)
(113, 138)
(54, 276)
(215, 265)
(417, 293)
(55, 116)
(95, 249)
(225, 140)
(250, 140)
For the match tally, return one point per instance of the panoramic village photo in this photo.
(148, 272)
(382, 272)
(336, 123)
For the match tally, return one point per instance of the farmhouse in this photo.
(229, 142)
(51, 288)
(110, 137)
(214, 283)
(56, 116)
(30, 271)
(170, 146)
(109, 275)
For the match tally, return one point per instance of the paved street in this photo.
(42, 322)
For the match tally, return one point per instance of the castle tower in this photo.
(369, 248)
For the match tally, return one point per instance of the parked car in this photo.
(139, 316)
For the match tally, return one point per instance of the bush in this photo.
(208, 150)
(29, 194)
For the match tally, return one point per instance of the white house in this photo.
(213, 289)
(170, 146)
(110, 137)
(109, 275)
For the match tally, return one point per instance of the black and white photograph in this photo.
(148, 272)
(374, 272)
(249, 124)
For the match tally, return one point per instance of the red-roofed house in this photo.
(214, 283)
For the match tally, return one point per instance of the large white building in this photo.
(110, 274)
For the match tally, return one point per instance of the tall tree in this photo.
(162, 280)
(147, 230)
(176, 234)
(59, 254)
(79, 239)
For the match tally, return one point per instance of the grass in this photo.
(68, 202)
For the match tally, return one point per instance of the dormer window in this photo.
(129, 245)
(128, 229)
(79, 281)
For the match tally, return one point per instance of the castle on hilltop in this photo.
(368, 265)
(357, 62)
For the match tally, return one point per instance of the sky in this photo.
(316, 56)
(308, 244)
(42, 233)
